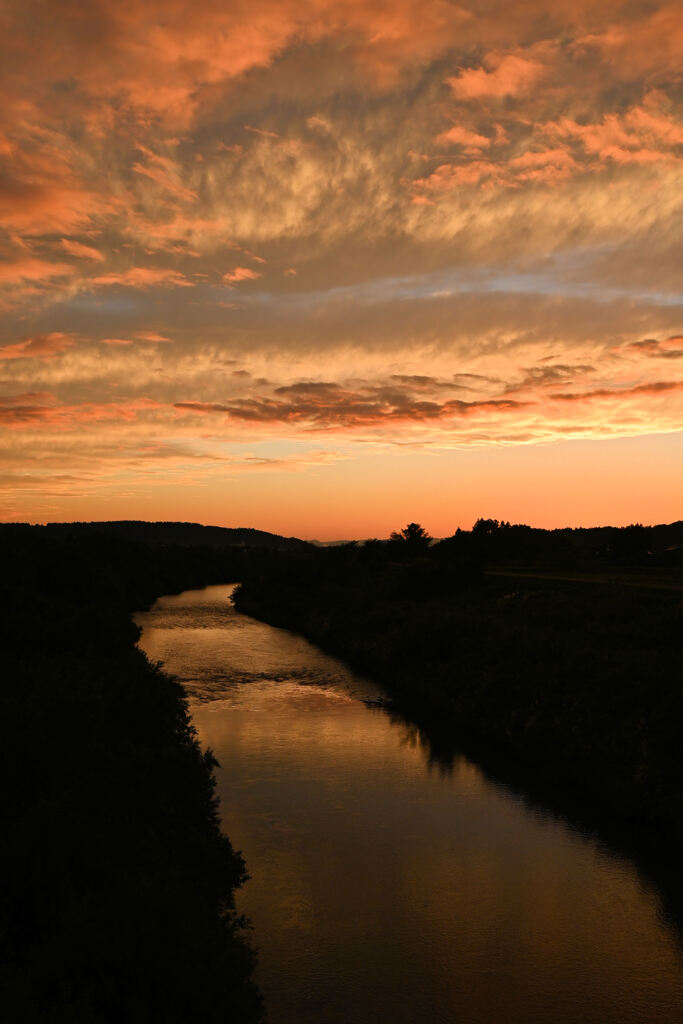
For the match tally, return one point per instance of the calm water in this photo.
(384, 890)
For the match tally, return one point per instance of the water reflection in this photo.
(659, 869)
(392, 880)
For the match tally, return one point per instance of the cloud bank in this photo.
(350, 224)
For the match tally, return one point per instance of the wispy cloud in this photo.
(241, 274)
(143, 277)
(41, 346)
(81, 251)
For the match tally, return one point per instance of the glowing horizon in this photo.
(325, 267)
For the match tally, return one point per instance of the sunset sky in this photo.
(323, 267)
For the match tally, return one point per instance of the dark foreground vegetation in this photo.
(556, 652)
(559, 653)
(118, 886)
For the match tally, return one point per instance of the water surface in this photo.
(383, 889)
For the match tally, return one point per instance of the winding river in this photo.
(384, 889)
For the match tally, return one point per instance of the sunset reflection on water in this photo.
(383, 889)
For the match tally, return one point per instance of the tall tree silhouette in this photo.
(413, 537)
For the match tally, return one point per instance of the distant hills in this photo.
(596, 538)
(180, 534)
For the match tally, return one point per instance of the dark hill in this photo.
(180, 534)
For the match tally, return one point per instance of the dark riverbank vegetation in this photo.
(556, 652)
(118, 886)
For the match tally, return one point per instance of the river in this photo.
(384, 889)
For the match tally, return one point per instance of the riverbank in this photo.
(388, 887)
(574, 682)
(120, 885)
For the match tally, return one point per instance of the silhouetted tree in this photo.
(486, 526)
(413, 537)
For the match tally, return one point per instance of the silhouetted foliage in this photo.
(520, 638)
(487, 526)
(412, 538)
(118, 884)
(119, 894)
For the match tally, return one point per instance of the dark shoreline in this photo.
(438, 704)
(120, 886)
(650, 850)
(599, 748)
(121, 895)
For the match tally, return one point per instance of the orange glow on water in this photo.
(398, 890)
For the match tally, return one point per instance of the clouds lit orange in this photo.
(249, 249)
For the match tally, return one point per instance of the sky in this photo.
(323, 267)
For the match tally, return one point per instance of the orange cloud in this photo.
(636, 137)
(241, 274)
(144, 277)
(547, 167)
(152, 336)
(164, 173)
(463, 137)
(42, 397)
(510, 230)
(261, 131)
(451, 176)
(321, 405)
(29, 268)
(86, 252)
(511, 76)
(654, 388)
(24, 411)
(534, 159)
(40, 188)
(41, 346)
(671, 348)
(646, 44)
